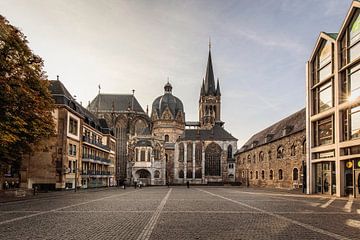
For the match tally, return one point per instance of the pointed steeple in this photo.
(202, 91)
(218, 93)
(209, 76)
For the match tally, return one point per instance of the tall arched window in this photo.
(156, 174)
(229, 152)
(281, 174)
(256, 175)
(271, 175)
(181, 152)
(262, 174)
(136, 154)
(280, 152)
(249, 159)
(254, 158)
(213, 160)
(166, 138)
(189, 152)
(140, 126)
(261, 156)
(198, 173)
(295, 174)
(251, 175)
(181, 174)
(293, 150)
(189, 174)
(198, 153)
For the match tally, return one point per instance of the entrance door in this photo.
(349, 182)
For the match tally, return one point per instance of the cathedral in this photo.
(162, 147)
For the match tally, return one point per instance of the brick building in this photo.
(274, 157)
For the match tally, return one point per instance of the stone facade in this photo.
(275, 156)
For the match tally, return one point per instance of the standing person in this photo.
(135, 184)
(168, 184)
(188, 184)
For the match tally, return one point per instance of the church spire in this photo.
(209, 76)
(218, 93)
(202, 91)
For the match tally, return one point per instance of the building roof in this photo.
(62, 96)
(168, 100)
(115, 103)
(216, 133)
(208, 87)
(289, 125)
(332, 35)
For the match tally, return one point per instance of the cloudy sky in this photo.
(259, 50)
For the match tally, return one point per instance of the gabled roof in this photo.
(322, 36)
(332, 35)
(62, 96)
(114, 102)
(293, 123)
(209, 78)
(355, 4)
(216, 133)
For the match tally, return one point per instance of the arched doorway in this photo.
(213, 160)
(144, 176)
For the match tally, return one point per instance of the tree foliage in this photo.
(25, 100)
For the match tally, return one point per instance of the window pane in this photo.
(325, 97)
(325, 72)
(325, 55)
(355, 29)
(354, 52)
(325, 131)
(354, 84)
(355, 122)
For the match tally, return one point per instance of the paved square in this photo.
(181, 213)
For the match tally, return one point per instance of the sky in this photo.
(259, 50)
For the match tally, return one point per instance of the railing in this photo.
(96, 143)
(97, 158)
(95, 172)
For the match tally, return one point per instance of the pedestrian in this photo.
(168, 184)
(135, 184)
(140, 184)
(6, 185)
(188, 184)
(124, 185)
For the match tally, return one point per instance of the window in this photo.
(271, 175)
(249, 159)
(166, 138)
(251, 175)
(213, 160)
(270, 155)
(189, 154)
(280, 152)
(322, 66)
(293, 150)
(280, 174)
(262, 174)
(198, 153)
(156, 174)
(72, 150)
(254, 158)
(148, 156)
(304, 147)
(136, 154)
(181, 174)
(189, 174)
(198, 173)
(354, 37)
(142, 155)
(181, 152)
(355, 122)
(229, 152)
(295, 174)
(323, 131)
(73, 126)
(261, 156)
(324, 100)
(256, 175)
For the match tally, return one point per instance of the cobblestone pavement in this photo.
(181, 213)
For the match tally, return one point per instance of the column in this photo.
(185, 161)
(193, 160)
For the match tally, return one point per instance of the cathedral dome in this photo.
(167, 101)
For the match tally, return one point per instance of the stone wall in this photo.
(249, 162)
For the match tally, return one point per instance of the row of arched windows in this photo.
(198, 152)
(280, 154)
(280, 175)
(198, 174)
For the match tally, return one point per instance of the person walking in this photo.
(188, 184)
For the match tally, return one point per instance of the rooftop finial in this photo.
(209, 43)
(57, 77)
(99, 88)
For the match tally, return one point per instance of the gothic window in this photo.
(280, 152)
(254, 158)
(148, 156)
(261, 156)
(181, 174)
(140, 126)
(143, 173)
(166, 138)
(189, 174)
(181, 152)
(249, 158)
(270, 155)
(293, 150)
(157, 153)
(295, 174)
(198, 153)
(198, 173)
(156, 174)
(256, 175)
(262, 174)
(213, 160)
(280, 174)
(229, 152)
(251, 175)
(271, 175)
(189, 152)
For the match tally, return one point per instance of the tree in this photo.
(25, 101)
